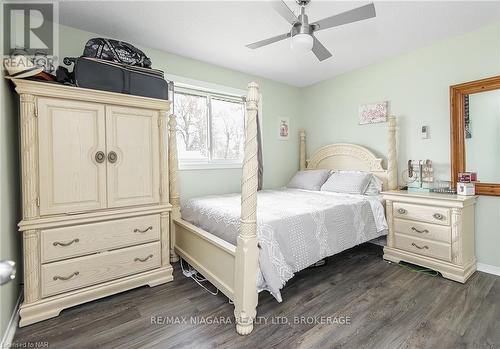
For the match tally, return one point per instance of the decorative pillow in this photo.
(374, 185)
(347, 182)
(309, 179)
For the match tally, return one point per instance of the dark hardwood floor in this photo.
(385, 305)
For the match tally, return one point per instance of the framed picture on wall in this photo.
(373, 113)
(284, 129)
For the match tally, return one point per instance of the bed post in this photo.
(392, 162)
(173, 183)
(302, 150)
(246, 265)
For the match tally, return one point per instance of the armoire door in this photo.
(72, 148)
(132, 141)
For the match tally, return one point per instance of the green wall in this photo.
(10, 238)
(417, 88)
(278, 100)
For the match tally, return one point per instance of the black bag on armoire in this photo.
(116, 51)
(117, 77)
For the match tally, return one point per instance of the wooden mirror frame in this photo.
(457, 125)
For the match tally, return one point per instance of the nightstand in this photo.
(432, 230)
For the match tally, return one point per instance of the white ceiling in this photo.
(217, 31)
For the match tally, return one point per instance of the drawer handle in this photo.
(438, 216)
(76, 273)
(137, 259)
(137, 230)
(419, 231)
(425, 247)
(66, 243)
(401, 211)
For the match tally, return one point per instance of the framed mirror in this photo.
(475, 133)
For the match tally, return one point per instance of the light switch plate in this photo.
(425, 132)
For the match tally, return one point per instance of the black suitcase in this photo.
(115, 77)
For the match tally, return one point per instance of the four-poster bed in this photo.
(234, 268)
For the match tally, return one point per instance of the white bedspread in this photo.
(295, 228)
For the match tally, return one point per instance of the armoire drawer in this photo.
(424, 247)
(64, 276)
(431, 214)
(423, 230)
(79, 240)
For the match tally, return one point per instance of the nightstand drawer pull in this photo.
(137, 230)
(137, 259)
(66, 243)
(438, 216)
(419, 231)
(425, 247)
(402, 211)
(76, 273)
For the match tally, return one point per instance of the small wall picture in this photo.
(284, 128)
(373, 113)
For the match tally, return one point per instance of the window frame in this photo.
(209, 93)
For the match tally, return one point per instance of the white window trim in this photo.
(189, 165)
(204, 165)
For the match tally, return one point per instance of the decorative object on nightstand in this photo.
(95, 194)
(467, 177)
(419, 175)
(444, 187)
(466, 183)
(432, 230)
(466, 189)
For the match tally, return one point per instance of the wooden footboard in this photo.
(210, 255)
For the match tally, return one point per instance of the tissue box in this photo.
(466, 188)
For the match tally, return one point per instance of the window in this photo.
(210, 128)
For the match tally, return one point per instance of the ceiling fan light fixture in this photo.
(304, 40)
(301, 42)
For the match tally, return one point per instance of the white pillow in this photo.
(309, 179)
(374, 186)
(347, 182)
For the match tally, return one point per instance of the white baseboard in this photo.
(10, 331)
(487, 268)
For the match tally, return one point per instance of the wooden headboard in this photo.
(347, 156)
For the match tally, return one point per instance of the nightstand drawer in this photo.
(71, 274)
(423, 247)
(431, 214)
(423, 230)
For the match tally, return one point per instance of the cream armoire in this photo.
(95, 195)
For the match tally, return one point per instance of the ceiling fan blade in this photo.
(284, 11)
(268, 41)
(354, 15)
(320, 51)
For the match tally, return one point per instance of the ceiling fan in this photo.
(302, 33)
